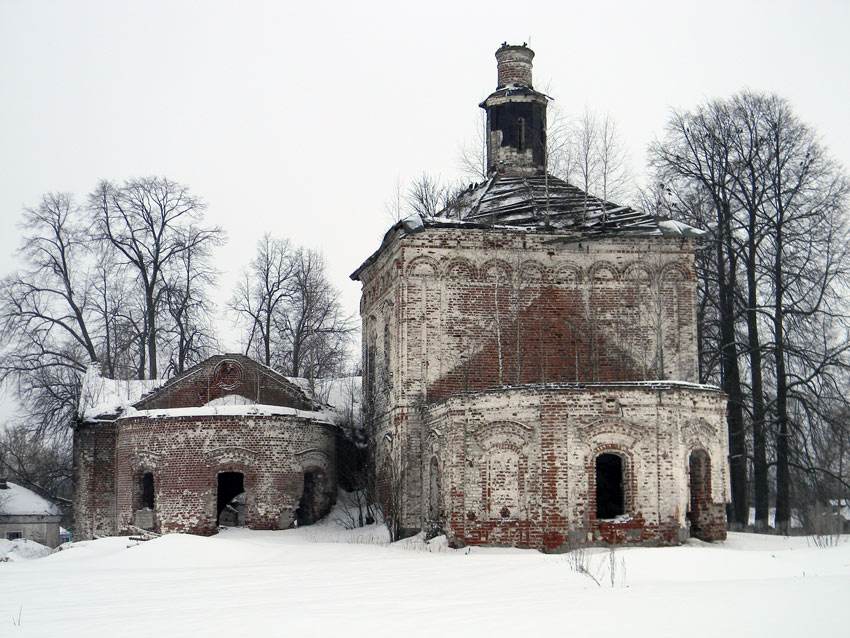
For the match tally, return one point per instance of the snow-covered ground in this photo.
(323, 581)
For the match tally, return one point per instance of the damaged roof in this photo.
(542, 203)
(545, 202)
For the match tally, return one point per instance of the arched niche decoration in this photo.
(675, 272)
(618, 432)
(145, 460)
(461, 269)
(496, 270)
(422, 267)
(230, 455)
(312, 458)
(637, 273)
(433, 442)
(531, 271)
(568, 274)
(603, 272)
(501, 434)
(696, 432)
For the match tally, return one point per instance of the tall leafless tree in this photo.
(75, 299)
(151, 223)
(291, 311)
(777, 275)
(263, 293)
(46, 313)
(314, 330)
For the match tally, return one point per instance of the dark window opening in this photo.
(521, 134)
(306, 513)
(146, 485)
(610, 501)
(230, 506)
(699, 467)
(10, 536)
(434, 500)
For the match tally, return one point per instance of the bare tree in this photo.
(40, 464)
(189, 334)
(151, 223)
(695, 161)
(472, 154)
(265, 289)
(291, 311)
(314, 331)
(46, 314)
(777, 274)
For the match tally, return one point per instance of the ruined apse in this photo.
(530, 359)
(227, 443)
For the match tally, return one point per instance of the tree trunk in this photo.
(151, 335)
(760, 482)
(783, 478)
(732, 376)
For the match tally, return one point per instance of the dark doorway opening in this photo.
(306, 512)
(699, 468)
(147, 492)
(230, 507)
(610, 501)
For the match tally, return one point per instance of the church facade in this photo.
(530, 359)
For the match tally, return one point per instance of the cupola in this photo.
(516, 117)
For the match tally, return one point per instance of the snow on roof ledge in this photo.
(102, 397)
(672, 228)
(256, 409)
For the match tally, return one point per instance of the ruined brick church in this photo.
(228, 442)
(529, 379)
(530, 359)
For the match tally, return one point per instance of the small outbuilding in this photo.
(25, 514)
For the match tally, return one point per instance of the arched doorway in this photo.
(230, 501)
(308, 506)
(699, 506)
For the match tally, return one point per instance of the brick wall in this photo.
(514, 65)
(186, 454)
(223, 375)
(517, 466)
(462, 309)
(94, 480)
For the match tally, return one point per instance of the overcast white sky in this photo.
(299, 118)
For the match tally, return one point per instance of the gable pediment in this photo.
(230, 379)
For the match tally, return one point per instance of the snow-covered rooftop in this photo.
(101, 397)
(252, 409)
(19, 501)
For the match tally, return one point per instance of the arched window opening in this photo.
(610, 498)
(230, 505)
(434, 500)
(699, 468)
(147, 491)
(144, 501)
